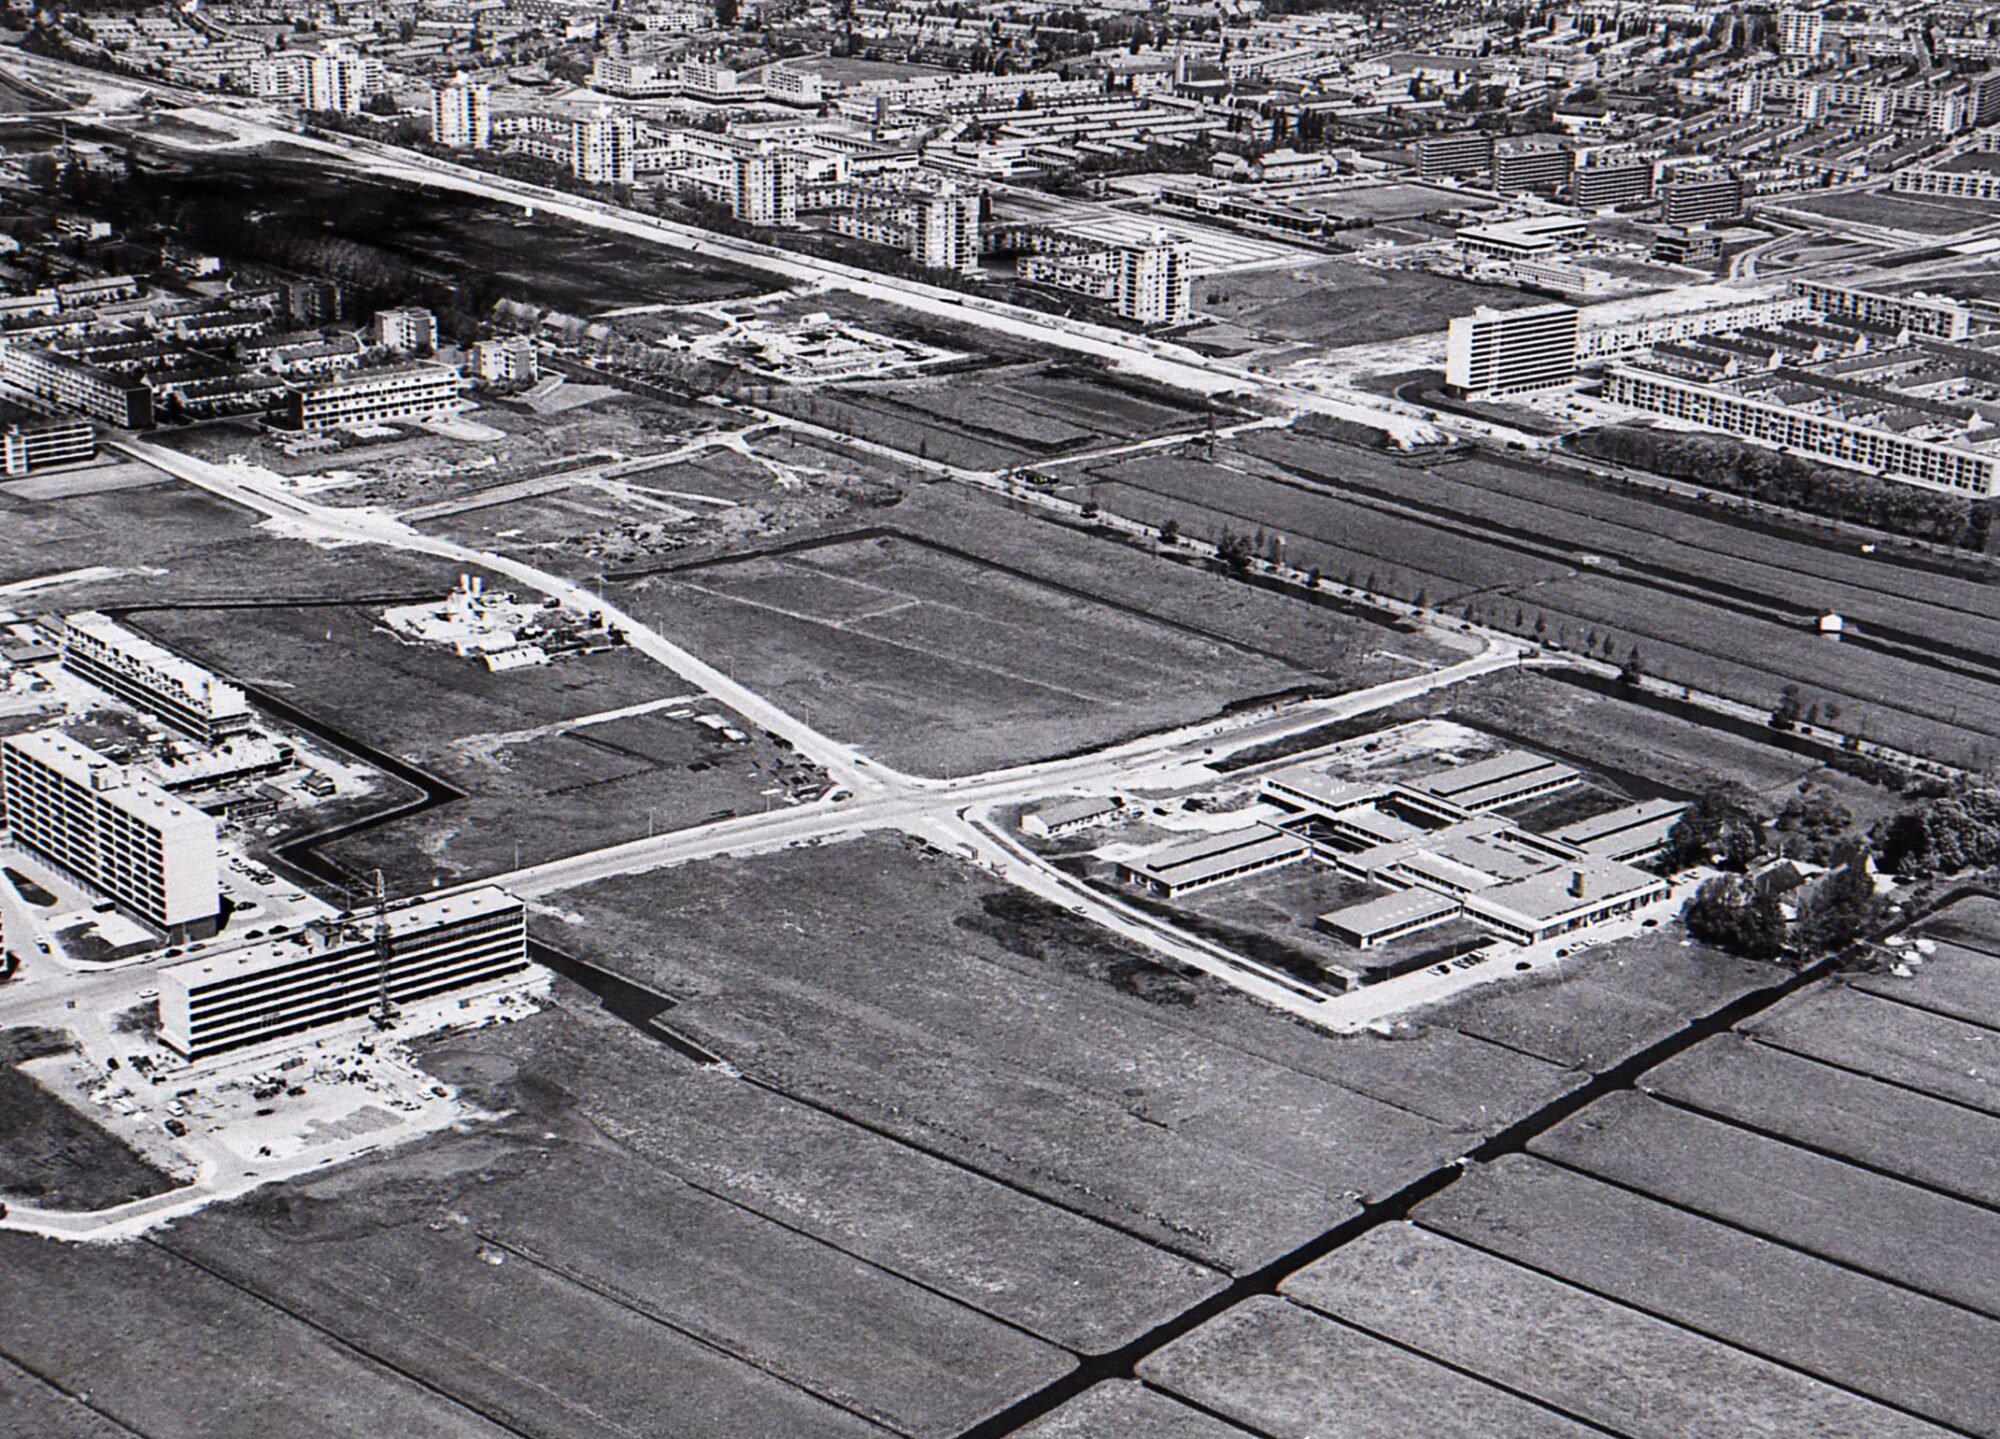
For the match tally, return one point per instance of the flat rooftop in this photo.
(1485, 781)
(1623, 825)
(352, 930)
(114, 783)
(1548, 896)
(1214, 854)
(1387, 911)
(222, 698)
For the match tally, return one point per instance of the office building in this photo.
(119, 833)
(1532, 237)
(28, 444)
(334, 969)
(149, 677)
(409, 331)
(462, 115)
(365, 397)
(1154, 281)
(1464, 152)
(1542, 165)
(1701, 199)
(1503, 352)
(1687, 245)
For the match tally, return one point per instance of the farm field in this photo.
(943, 664)
(994, 418)
(52, 1155)
(538, 785)
(1714, 1254)
(1546, 554)
(1026, 1046)
(1343, 302)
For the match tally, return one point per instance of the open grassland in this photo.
(941, 663)
(537, 785)
(1918, 214)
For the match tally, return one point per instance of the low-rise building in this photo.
(28, 445)
(1071, 816)
(1213, 859)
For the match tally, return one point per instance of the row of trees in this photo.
(1778, 479)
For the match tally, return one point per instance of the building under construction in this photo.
(364, 962)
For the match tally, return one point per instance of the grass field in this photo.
(940, 663)
(1919, 214)
(1343, 302)
(538, 786)
(972, 1022)
(53, 1156)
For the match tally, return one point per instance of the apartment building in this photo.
(946, 233)
(764, 188)
(1503, 352)
(1821, 432)
(337, 83)
(112, 829)
(339, 968)
(508, 361)
(75, 386)
(1607, 183)
(1154, 280)
(462, 115)
(364, 397)
(1701, 199)
(1464, 152)
(1602, 341)
(408, 331)
(28, 445)
(1541, 165)
(1974, 175)
(149, 677)
(1938, 316)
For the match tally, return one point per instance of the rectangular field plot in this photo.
(1864, 1121)
(1287, 1372)
(1131, 1411)
(955, 666)
(1916, 1048)
(1789, 1307)
(1914, 1237)
(1636, 1375)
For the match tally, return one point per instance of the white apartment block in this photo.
(462, 115)
(337, 83)
(150, 677)
(764, 188)
(1503, 352)
(1834, 437)
(1154, 281)
(632, 79)
(1938, 316)
(366, 397)
(1604, 341)
(28, 446)
(333, 970)
(946, 234)
(126, 837)
(406, 331)
(508, 361)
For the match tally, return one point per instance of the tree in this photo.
(1841, 908)
(1719, 828)
(1734, 914)
(1790, 707)
(1235, 551)
(1633, 671)
(1170, 532)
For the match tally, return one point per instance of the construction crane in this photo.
(384, 1013)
